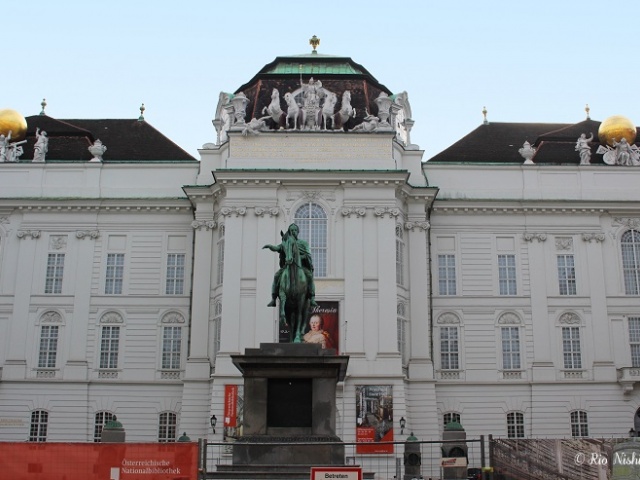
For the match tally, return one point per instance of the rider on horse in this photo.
(306, 260)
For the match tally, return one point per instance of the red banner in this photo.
(230, 405)
(99, 461)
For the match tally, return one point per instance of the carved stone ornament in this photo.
(206, 224)
(272, 211)
(4, 220)
(382, 211)
(448, 318)
(97, 150)
(564, 243)
(593, 237)
(633, 223)
(58, 242)
(51, 317)
(28, 233)
(111, 317)
(412, 226)
(527, 152)
(237, 211)
(569, 318)
(357, 211)
(172, 317)
(530, 237)
(92, 234)
(239, 103)
(509, 319)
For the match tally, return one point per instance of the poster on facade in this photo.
(374, 418)
(233, 410)
(323, 325)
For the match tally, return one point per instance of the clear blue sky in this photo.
(526, 61)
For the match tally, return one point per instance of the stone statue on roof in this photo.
(584, 149)
(41, 147)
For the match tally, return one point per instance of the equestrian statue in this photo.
(293, 284)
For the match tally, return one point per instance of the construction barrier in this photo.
(99, 461)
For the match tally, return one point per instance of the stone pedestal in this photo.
(290, 405)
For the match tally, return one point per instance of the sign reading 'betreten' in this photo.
(336, 473)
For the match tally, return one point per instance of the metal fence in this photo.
(388, 466)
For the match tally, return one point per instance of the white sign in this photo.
(336, 473)
(447, 462)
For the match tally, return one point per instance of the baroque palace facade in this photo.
(496, 285)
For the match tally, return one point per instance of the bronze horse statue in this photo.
(292, 294)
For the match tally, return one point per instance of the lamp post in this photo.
(213, 420)
(403, 423)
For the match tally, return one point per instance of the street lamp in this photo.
(403, 423)
(632, 432)
(213, 420)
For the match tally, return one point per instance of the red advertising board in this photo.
(230, 405)
(99, 461)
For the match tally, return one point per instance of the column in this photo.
(387, 289)
(354, 218)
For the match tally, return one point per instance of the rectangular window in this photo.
(399, 255)
(38, 426)
(167, 427)
(220, 273)
(515, 425)
(171, 344)
(402, 339)
(114, 274)
(48, 346)
(55, 271)
(566, 275)
(175, 274)
(634, 340)
(449, 348)
(109, 346)
(447, 274)
(571, 351)
(579, 424)
(511, 348)
(507, 274)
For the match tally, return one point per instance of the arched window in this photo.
(38, 426)
(630, 248)
(101, 419)
(167, 423)
(449, 417)
(579, 424)
(312, 220)
(515, 425)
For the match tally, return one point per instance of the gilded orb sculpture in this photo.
(616, 128)
(14, 122)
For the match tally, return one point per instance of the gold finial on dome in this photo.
(587, 109)
(43, 104)
(141, 117)
(615, 128)
(13, 121)
(484, 114)
(314, 42)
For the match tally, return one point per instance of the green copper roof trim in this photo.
(315, 68)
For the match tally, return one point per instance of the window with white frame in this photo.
(447, 274)
(109, 346)
(114, 275)
(579, 424)
(507, 274)
(100, 420)
(174, 284)
(312, 221)
(55, 273)
(167, 423)
(38, 426)
(171, 347)
(634, 340)
(220, 263)
(571, 348)
(48, 351)
(630, 249)
(217, 327)
(566, 274)
(402, 333)
(510, 348)
(449, 417)
(515, 425)
(449, 345)
(399, 255)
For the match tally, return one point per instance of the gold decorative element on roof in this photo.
(12, 122)
(43, 104)
(141, 117)
(484, 114)
(613, 129)
(314, 42)
(587, 109)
